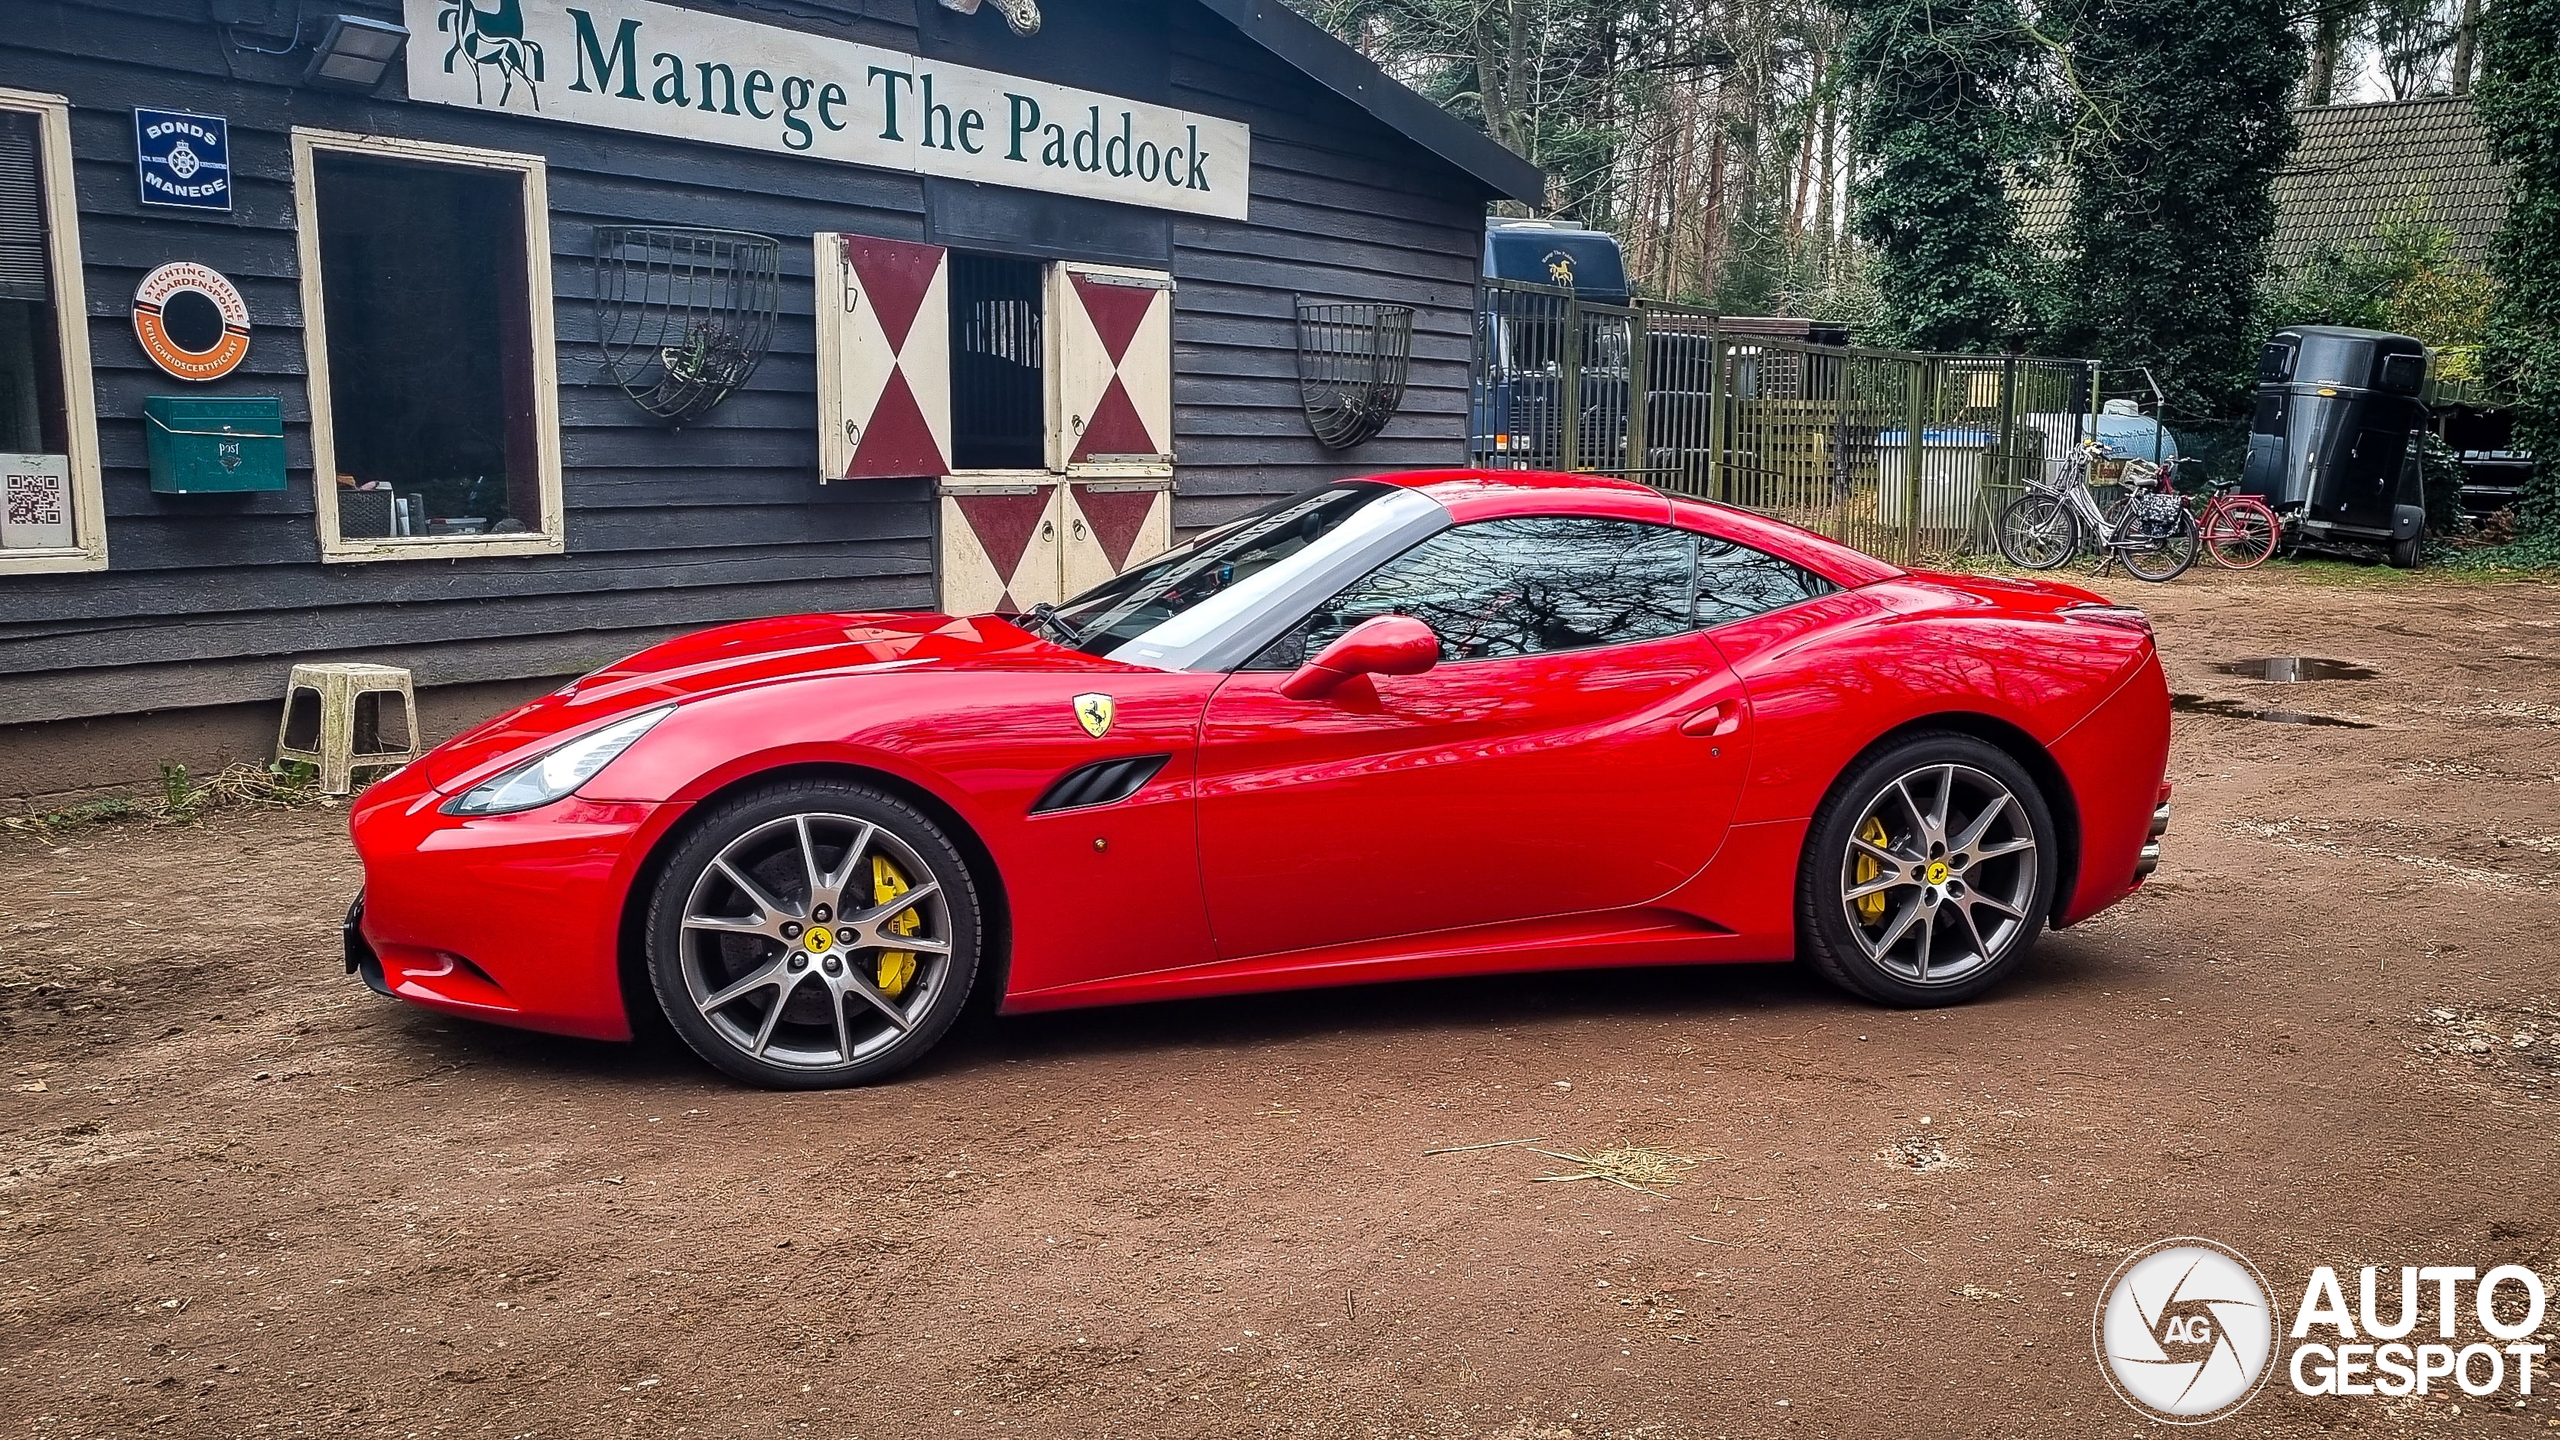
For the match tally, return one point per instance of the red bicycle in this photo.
(2239, 531)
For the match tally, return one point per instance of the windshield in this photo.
(1181, 583)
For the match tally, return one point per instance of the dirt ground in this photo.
(241, 1196)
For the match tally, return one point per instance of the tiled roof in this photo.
(2354, 167)
(2357, 166)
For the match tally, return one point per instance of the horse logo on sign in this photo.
(491, 37)
(1022, 17)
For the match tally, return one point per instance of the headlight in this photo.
(549, 776)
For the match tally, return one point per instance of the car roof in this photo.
(1471, 495)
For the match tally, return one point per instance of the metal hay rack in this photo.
(1352, 363)
(683, 315)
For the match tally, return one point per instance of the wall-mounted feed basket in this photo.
(1352, 361)
(683, 316)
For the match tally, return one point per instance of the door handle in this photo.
(1715, 722)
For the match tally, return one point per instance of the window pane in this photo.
(35, 468)
(1519, 587)
(1736, 581)
(430, 348)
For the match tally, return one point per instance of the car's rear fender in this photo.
(1828, 678)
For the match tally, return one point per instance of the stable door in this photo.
(1007, 546)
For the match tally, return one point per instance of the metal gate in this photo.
(1902, 454)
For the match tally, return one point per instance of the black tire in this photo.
(2038, 531)
(2405, 554)
(2169, 557)
(852, 1009)
(1837, 932)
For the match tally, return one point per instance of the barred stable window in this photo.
(999, 394)
(426, 281)
(51, 515)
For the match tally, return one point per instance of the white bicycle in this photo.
(2149, 529)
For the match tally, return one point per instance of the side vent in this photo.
(1104, 782)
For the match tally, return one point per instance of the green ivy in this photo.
(2184, 119)
(1940, 122)
(2405, 280)
(2519, 99)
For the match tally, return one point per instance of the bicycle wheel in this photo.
(2243, 534)
(2038, 531)
(2158, 553)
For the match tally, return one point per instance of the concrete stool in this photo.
(334, 752)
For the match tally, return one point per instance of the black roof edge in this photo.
(1346, 72)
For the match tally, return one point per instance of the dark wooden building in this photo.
(504, 286)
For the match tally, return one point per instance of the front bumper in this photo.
(515, 919)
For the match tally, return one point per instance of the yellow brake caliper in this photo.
(897, 967)
(1870, 907)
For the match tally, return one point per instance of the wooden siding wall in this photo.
(209, 598)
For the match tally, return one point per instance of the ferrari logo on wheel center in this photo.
(816, 940)
(1093, 712)
(1937, 872)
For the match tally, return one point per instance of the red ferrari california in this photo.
(1417, 725)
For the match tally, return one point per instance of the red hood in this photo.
(756, 652)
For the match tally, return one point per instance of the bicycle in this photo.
(2150, 531)
(2240, 531)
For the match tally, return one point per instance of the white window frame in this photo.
(535, 177)
(71, 339)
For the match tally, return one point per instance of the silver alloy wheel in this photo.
(1934, 855)
(782, 941)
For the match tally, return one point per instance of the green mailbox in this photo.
(214, 447)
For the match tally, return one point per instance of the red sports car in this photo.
(1418, 725)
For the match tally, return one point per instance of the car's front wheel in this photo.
(1927, 873)
(813, 933)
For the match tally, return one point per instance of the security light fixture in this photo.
(353, 53)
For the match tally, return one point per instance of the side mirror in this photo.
(1381, 645)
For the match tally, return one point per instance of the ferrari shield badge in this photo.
(1093, 712)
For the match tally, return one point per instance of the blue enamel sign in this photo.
(185, 159)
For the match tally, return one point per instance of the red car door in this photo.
(1516, 780)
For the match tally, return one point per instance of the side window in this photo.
(427, 312)
(1501, 588)
(1736, 582)
(52, 511)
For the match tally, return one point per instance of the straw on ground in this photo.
(1636, 1167)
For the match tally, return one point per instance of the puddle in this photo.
(2241, 710)
(2286, 669)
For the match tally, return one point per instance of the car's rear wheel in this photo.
(813, 933)
(1927, 873)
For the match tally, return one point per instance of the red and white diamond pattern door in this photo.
(1111, 368)
(884, 358)
(1000, 547)
(1110, 527)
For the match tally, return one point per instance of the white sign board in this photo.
(648, 68)
(35, 502)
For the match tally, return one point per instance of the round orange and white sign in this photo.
(191, 321)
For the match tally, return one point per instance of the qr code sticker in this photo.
(34, 501)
